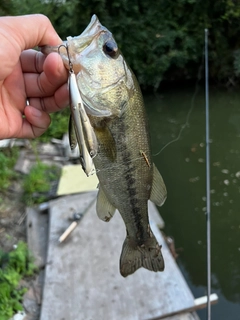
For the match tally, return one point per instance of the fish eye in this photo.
(111, 49)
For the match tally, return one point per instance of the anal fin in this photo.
(159, 191)
(105, 210)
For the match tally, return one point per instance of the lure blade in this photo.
(80, 120)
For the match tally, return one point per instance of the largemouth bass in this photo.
(127, 176)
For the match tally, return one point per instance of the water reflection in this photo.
(182, 165)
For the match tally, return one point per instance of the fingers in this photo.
(23, 32)
(54, 103)
(35, 123)
(46, 88)
(40, 79)
(37, 119)
(54, 69)
(45, 80)
(32, 61)
(38, 83)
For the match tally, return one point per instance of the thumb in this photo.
(31, 30)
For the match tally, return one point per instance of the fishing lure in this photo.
(80, 129)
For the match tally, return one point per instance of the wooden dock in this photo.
(82, 279)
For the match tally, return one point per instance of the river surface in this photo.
(182, 165)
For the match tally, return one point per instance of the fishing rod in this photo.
(208, 194)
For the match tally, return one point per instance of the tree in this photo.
(160, 41)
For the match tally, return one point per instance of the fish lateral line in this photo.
(122, 164)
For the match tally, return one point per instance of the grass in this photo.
(14, 265)
(58, 126)
(8, 157)
(38, 182)
(17, 264)
(41, 176)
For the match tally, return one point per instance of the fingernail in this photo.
(36, 112)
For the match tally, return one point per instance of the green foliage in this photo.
(8, 157)
(236, 62)
(38, 182)
(6, 8)
(58, 126)
(13, 267)
(160, 41)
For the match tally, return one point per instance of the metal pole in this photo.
(208, 195)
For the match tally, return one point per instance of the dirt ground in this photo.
(12, 218)
(13, 226)
(12, 208)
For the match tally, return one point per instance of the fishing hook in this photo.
(68, 55)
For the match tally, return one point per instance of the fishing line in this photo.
(208, 194)
(208, 213)
(199, 77)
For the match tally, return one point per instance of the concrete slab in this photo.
(82, 278)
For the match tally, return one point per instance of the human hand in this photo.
(29, 75)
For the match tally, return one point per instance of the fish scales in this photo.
(127, 176)
(131, 185)
(128, 181)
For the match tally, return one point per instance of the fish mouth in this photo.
(93, 28)
(78, 49)
(82, 41)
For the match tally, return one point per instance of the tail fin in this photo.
(148, 256)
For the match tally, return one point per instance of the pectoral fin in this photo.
(159, 191)
(106, 142)
(105, 210)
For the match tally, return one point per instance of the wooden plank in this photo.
(82, 278)
(201, 302)
(37, 235)
(184, 316)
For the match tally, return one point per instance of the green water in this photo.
(182, 165)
